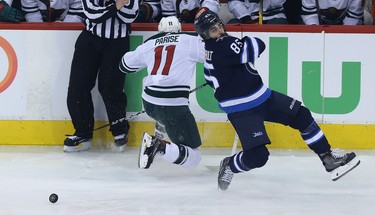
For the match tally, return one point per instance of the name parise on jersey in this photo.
(167, 39)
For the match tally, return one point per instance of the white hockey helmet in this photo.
(169, 24)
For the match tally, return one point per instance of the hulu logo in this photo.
(278, 80)
(311, 81)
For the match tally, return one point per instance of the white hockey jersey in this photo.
(170, 59)
(271, 9)
(332, 12)
(53, 10)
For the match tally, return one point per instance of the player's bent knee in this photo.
(256, 157)
(303, 119)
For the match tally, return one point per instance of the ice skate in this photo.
(225, 174)
(119, 144)
(339, 164)
(76, 144)
(149, 148)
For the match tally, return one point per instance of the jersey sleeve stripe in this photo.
(255, 50)
(168, 94)
(245, 53)
(125, 68)
(247, 102)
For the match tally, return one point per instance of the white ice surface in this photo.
(106, 183)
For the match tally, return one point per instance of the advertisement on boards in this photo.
(332, 74)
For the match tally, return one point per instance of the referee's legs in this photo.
(82, 80)
(111, 84)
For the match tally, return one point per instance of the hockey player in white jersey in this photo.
(170, 58)
(247, 11)
(53, 11)
(185, 10)
(332, 12)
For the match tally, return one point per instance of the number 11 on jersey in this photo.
(159, 53)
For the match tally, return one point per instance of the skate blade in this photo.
(81, 147)
(142, 158)
(142, 162)
(343, 170)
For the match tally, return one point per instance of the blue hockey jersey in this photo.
(229, 70)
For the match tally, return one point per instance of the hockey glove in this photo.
(188, 16)
(145, 13)
(9, 14)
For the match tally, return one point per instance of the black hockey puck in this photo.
(53, 198)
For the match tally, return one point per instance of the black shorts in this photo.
(249, 124)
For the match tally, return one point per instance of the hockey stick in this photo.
(260, 18)
(198, 88)
(140, 112)
(119, 120)
(235, 144)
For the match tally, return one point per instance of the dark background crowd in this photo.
(308, 12)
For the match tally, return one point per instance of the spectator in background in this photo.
(98, 50)
(212, 5)
(332, 12)
(247, 11)
(368, 12)
(185, 10)
(10, 13)
(149, 11)
(53, 11)
(154, 10)
(293, 11)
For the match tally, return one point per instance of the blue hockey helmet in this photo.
(204, 20)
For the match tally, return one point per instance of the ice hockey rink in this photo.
(103, 182)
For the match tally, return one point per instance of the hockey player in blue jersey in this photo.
(229, 70)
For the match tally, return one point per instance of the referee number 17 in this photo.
(158, 58)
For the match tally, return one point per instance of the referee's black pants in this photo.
(93, 58)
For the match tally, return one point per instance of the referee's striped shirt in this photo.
(104, 20)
